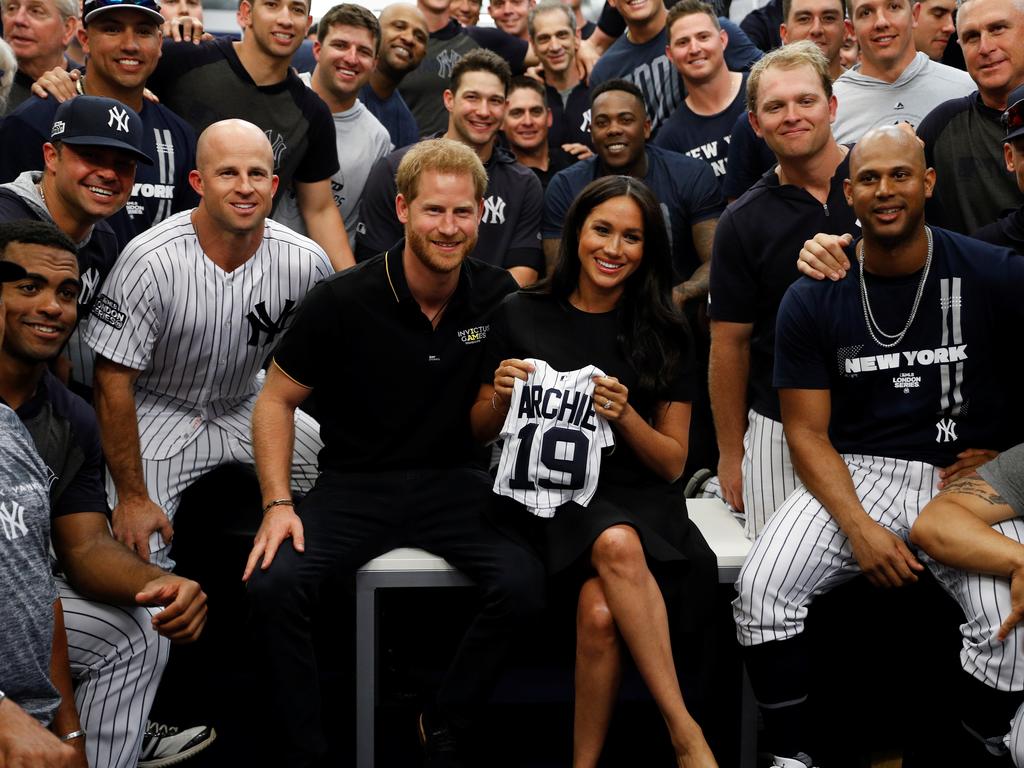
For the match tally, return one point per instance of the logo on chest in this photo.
(494, 210)
(261, 322)
(473, 335)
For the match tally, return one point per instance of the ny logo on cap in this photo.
(118, 119)
(58, 128)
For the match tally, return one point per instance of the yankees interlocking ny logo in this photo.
(12, 520)
(118, 119)
(494, 210)
(259, 320)
(947, 431)
(585, 125)
(445, 61)
(277, 145)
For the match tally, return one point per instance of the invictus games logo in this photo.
(906, 382)
(474, 335)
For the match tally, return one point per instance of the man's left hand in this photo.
(184, 614)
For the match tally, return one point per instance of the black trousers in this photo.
(349, 519)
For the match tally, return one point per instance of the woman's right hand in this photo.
(505, 376)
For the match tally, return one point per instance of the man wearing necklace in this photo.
(791, 107)
(123, 42)
(397, 468)
(883, 379)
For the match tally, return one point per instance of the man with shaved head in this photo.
(181, 329)
(883, 378)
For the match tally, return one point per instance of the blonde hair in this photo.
(442, 156)
(803, 53)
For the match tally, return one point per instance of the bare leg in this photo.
(638, 609)
(598, 673)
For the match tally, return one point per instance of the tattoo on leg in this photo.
(973, 485)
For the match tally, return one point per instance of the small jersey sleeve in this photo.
(85, 491)
(557, 200)
(321, 159)
(1005, 474)
(317, 327)
(800, 360)
(524, 249)
(379, 227)
(733, 288)
(125, 318)
(701, 192)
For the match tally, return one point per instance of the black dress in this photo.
(540, 326)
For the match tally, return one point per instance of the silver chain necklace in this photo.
(869, 318)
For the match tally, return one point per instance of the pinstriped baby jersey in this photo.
(553, 440)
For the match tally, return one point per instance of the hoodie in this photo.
(866, 102)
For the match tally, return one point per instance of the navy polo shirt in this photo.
(949, 385)
(399, 389)
(570, 117)
(754, 261)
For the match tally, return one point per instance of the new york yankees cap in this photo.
(93, 8)
(1013, 117)
(96, 121)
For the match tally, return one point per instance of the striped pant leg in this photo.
(985, 600)
(1014, 740)
(768, 473)
(117, 659)
(166, 479)
(803, 553)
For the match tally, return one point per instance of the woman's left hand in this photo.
(611, 397)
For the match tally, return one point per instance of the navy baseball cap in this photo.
(96, 121)
(9, 272)
(93, 8)
(1013, 117)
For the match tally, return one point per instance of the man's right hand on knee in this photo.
(135, 519)
(278, 524)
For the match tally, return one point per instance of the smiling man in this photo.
(933, 26)
(509, 227)
(527, 122)
(123, 42)
(181, 329)
(894, 83)
(409, 479)
(510, 16)
(38, 32)
(348, 39)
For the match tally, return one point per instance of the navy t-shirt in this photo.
(206, 83)
(685, 187)
(160, 189)
(704, 137)
(749, 158)
(509, 234)
(393, 114)
(67, 437)
(648, 67)
(949, 385)
(754, 261)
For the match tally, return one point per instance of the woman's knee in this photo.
(618, 549)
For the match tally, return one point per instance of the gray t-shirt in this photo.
(27, 591)
(1005, 473)
(362, 141)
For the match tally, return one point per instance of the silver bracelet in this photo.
(79, 734)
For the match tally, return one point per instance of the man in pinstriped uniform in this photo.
(184, 323)
(883, 379)
(123, 40)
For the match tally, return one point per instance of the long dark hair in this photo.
(653, 334)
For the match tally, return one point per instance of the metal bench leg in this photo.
(748, 724)
(366, 673)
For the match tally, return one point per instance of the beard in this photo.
(438, 263)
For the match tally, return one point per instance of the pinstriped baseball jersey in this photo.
(553, 440)
(198, 334)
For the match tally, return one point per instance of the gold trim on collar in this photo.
(387, 271)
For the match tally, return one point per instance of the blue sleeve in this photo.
(23, 146)
(408, 130)
(749, 159)
(732, 293)
(379, 227)
(85, 492)
(668, 136)
(740, 54)
(800, 360)
(524, 249)
(703, 195)
(511, 49)
(557, 200)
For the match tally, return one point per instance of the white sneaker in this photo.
(802, 760)
(166, 745)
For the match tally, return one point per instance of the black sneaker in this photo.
(165, 745)
(440, 746)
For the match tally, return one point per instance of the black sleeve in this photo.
(511, 49)
(321, 159)
(23, 147)
(85, 491)
(757, 27)
(524, 249)
(611, 21)
(317, 326)
(379, 227)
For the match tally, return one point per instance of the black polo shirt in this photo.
(395, 392)
(753, 262)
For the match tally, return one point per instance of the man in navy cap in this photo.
(1009, 230)
(123, 41)
(95, 144)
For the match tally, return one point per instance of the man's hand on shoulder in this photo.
(279, 523)
(823, 256)
(186, 29)
(135, 519)
(60, 83)
(184, 614)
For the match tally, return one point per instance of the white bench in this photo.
(416, 568)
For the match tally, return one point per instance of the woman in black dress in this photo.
(632, 547)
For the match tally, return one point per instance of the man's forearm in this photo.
(102, 568)
(273, 439)
(825, 474)
(696, 286)
(327, 228)
(65, 719)
(728, 375)
(119, 435)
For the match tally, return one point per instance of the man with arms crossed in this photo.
(181, 329)
(882, 378)
(791, 108)
(397, 468)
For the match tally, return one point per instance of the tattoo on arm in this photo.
(973, 485)
(703, 233)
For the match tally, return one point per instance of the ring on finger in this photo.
(607, 404)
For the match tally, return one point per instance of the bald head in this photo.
(235, 135)
(403, 40)
(889, 142)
